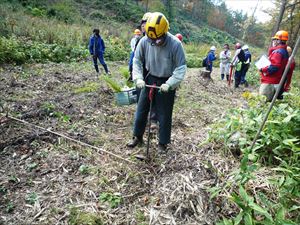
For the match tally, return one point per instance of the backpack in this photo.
(204, 62)
(241, 56)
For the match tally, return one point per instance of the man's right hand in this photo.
(140, 83)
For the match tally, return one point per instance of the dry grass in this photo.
(63, 176)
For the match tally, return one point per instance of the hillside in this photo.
(63, 153)
(40, 31)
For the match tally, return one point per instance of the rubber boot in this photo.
(236, 83)
(106, 69)
(227, 77)
(222, 76)
(96, 68)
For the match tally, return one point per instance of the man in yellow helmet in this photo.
(164, 59)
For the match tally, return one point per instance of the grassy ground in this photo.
(46, 179)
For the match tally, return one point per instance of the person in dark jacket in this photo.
(246, 65)
(97, 50)
(210, 58)
(238, 61)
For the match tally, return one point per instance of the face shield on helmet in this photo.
(157, 27)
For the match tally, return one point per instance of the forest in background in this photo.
(39, 31)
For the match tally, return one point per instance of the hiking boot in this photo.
(162, 149)
(135, 141)
(246, 84)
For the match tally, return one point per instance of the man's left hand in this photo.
(164, 87)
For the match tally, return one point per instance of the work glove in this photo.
(94, 57)
(140, 83)
(164, 87)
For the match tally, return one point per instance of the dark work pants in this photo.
(164, 102)
(101, 59)
(238, 76)
(244, 71)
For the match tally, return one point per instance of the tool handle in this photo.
(152, 86)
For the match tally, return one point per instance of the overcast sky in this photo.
(248, 6)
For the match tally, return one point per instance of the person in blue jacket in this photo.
(97, 49)
(210, 58)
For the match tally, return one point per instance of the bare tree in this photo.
(279, 19)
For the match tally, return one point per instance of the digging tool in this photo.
(230, 75)
(150, 96)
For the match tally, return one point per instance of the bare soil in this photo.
(46, 179)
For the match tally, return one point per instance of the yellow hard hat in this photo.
(281, 35)
(146, 16)
(137, 32)
(157, 25)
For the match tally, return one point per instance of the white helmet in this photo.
(245, 47)
(213, 48)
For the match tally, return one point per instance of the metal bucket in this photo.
(126, 97)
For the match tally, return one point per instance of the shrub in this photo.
(276, 150)
(20, 50)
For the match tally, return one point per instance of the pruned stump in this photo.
(205, 76)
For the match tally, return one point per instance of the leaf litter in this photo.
(170, 189)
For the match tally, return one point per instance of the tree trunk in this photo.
(249, 22)
(147, 3)
(281, 12)
(293, 41)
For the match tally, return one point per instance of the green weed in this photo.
(112, 199)
(32, 166)
(87, 88)
(9, 207)
(78, 217)
(31, 198)
(84, 169)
